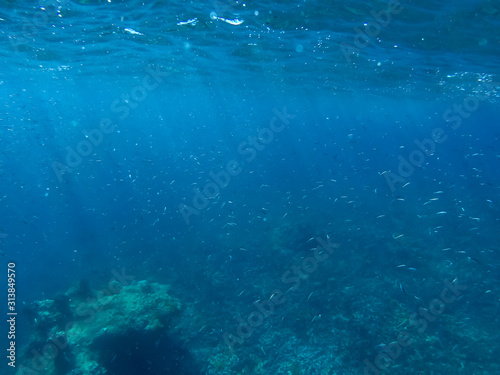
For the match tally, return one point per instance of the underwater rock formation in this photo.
(125, 331)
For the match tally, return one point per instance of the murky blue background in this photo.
(117, 115)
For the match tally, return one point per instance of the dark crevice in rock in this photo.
(137, 352)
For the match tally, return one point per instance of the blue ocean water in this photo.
(317, 181)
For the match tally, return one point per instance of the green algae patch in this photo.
(135, 307)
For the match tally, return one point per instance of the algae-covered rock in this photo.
(132, 308)
(89, 333)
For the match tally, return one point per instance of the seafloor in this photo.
(348, 299)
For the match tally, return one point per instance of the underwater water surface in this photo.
(250, 187)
